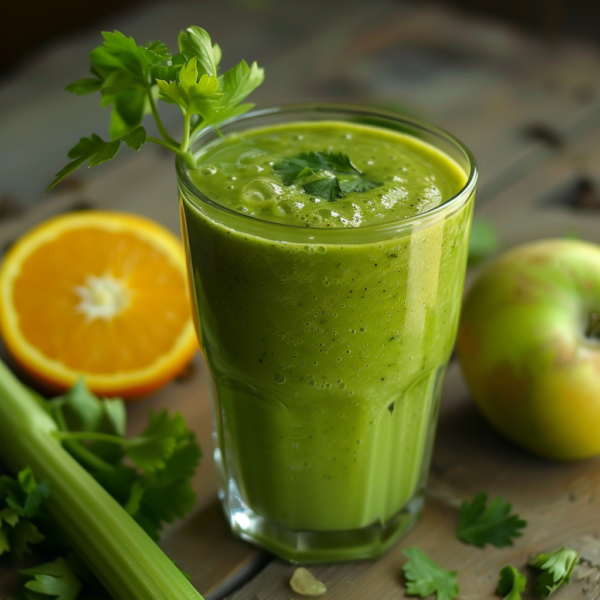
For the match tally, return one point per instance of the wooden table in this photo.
(531, 114)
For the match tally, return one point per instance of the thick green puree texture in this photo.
(238, 173)
(327, 358)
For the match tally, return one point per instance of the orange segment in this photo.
(100, 295)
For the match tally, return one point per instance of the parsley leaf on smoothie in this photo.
(130, 79)
(359, 184)
(425, 577)
(328, 188)
(481, 524)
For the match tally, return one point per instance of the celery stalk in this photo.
(125, 560)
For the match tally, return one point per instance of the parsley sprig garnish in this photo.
(481, 524)
(555, 569)
(511, 583)
(329, 188)
(131, 78)
(424, 577)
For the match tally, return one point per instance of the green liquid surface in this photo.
(238, 173)
(327, 358)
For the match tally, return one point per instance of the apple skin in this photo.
(523, 349)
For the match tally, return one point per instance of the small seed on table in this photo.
(306, 584)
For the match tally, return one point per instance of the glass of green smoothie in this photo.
(327, 247)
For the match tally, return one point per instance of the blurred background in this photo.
(517, 81)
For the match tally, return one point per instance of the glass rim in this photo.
(410, 224)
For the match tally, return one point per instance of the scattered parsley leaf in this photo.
(20, 502)
(555, 569)
(167, 493)
(157, 442)
(327, 189)
(23, 535)
(80, 410)
(511, 583)
(53, 579)
(158, 488)
(424, 577)
(480, 524)
(83, 411)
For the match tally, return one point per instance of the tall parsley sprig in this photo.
(132, 78)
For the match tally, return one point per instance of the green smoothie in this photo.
(327, 326)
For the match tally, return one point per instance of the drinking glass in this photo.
(327, 349)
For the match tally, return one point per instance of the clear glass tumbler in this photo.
(325, 401)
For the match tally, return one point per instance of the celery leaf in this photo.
(481, 524)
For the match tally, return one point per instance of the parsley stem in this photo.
(84, 455)
(186, 132)
(79, 451)
(159, 123)
(91, 436)
(190, 161)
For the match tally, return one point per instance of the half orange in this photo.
(99, 295)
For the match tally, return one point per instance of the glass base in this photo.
(304, 547)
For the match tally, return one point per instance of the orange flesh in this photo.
(148, 326)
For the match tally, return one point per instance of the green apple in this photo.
(529, 347)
